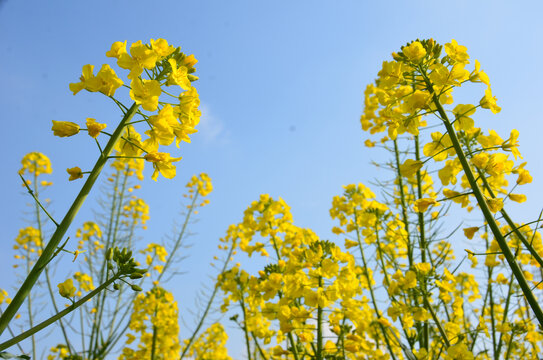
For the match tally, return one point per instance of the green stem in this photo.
(289, 336)
(244, 327)
(405, 218)
(29, 305)
(179, 237)
(532, 301)
(259, 348)
(35, 197)
(319, 326)
(153, 345)
(370, 287)
(425, 340)
(61, 230)
(111, 242)
(57, 316)
(208, 306)
(47, 277)
(436, 320)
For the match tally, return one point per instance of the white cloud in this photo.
(212, 129)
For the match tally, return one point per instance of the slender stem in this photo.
(244, 327)
(59, 233)
(57, 316)
(319, 326)
(492, 314)
(111, 242)
(35, 197)
(405, 218)
(425, 340)
(429, 307)
(289, 336)
(179, 237)
(370, 287)
(260, 351)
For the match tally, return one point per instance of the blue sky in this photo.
(281, 85)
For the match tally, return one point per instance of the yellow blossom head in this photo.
(414, 51)
(75, 173)
(94, 128)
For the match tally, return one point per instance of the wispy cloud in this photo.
(211, 128)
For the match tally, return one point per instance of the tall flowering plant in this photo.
(165, 116)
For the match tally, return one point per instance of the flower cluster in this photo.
(151, 67)
(154, 320)
(211, 345)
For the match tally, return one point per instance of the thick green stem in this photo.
(47, 277)
(153, 345)
(61, 230)
(477, 192)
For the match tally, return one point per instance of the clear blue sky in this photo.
(281, 85)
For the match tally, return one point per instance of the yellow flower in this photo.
(410, 167)
(439, 147)
(417, 100)
(178, 76)
(520, 198)
(449, 172)
(350, 243)
(130, 143)
(141, 56)
(501, 279)
(94, 128)
(117, 48)
(161, 47)
(457, 52)
(4, 297)
(106, 81)
(64, 128)
(495, 204)
(85, 281)
(35, 163)
(162, 163)
(511, 144)
(414, 51)
(480, 160)
(145, 93)
(470, 232)
(75, 173)
(462, 114)
(67, 289)
(489, 102)
(190, 61)
(524, 177)
(421, 205)
(424, 267)
(369, 143)
(478, 75)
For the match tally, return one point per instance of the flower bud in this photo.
(64, 128)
